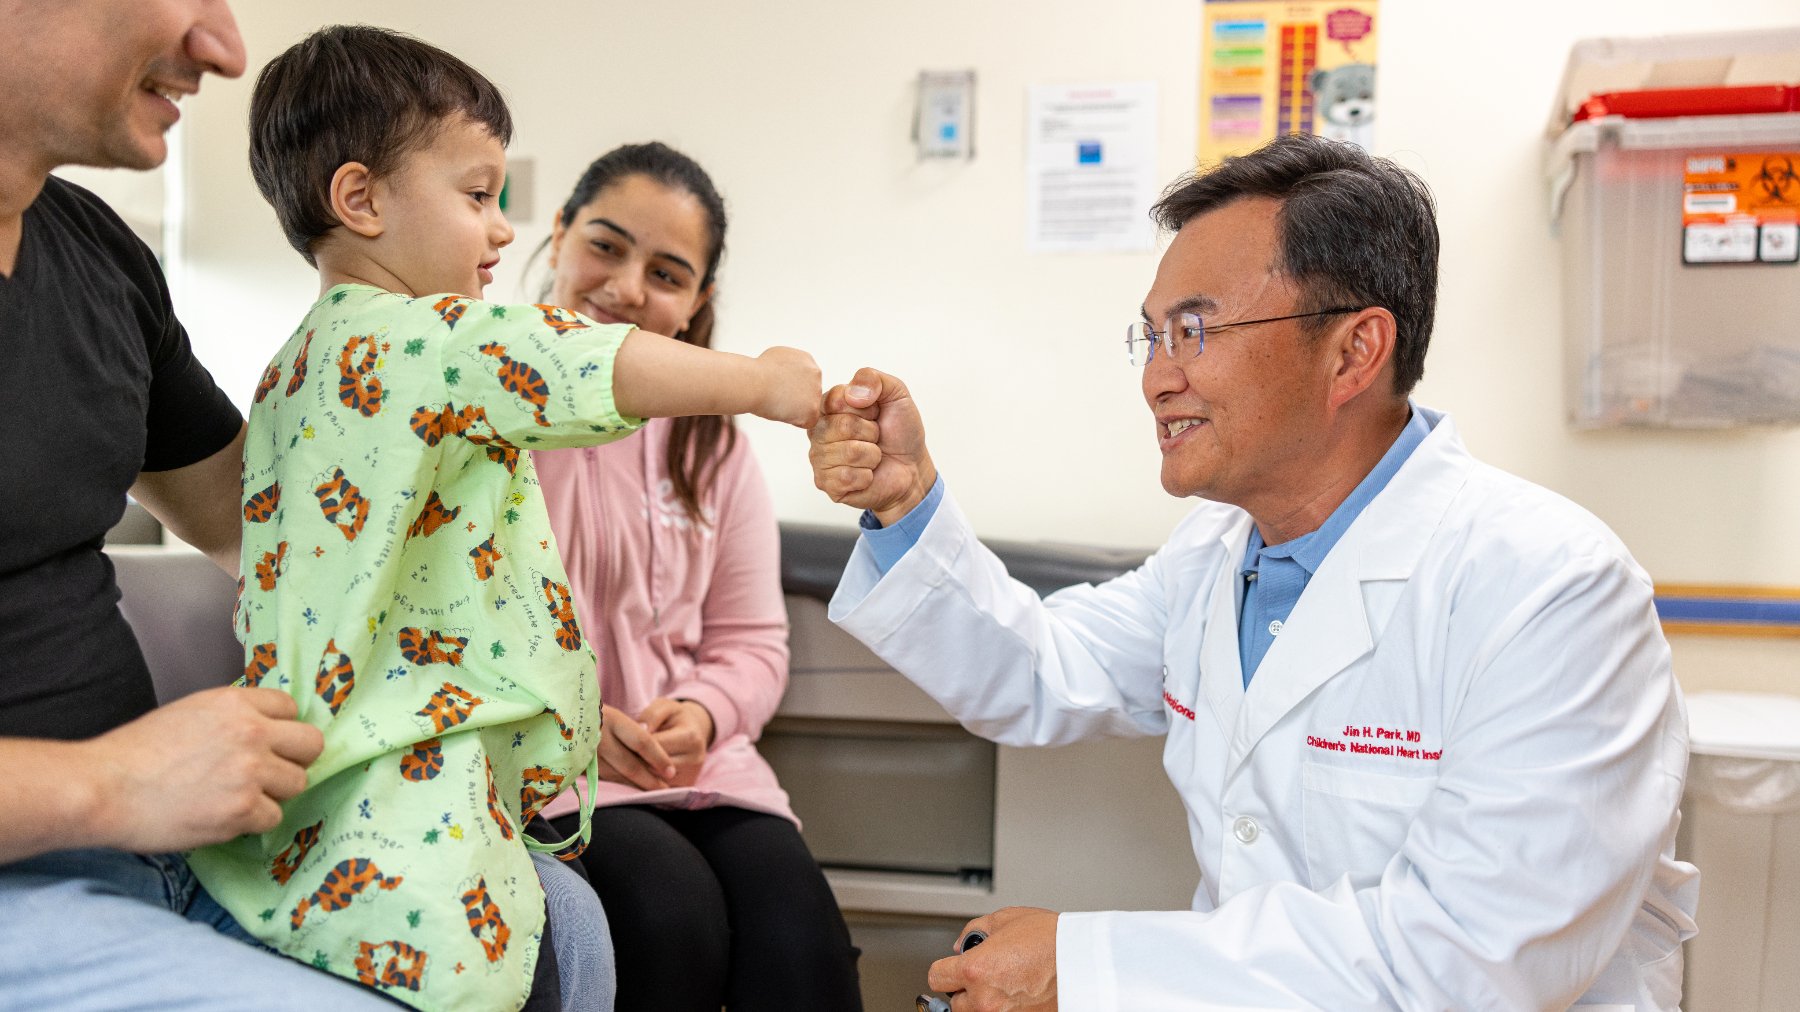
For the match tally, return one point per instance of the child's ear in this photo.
(353, 199)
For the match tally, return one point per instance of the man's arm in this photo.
(868, 448)
(200, 504)
(200, 770)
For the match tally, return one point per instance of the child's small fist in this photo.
(791, 387)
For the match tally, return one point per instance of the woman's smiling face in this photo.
(637, 253)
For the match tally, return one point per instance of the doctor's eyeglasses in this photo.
(1185, 333)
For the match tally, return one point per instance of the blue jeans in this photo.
(103, 929)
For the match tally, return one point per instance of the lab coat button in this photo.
(1245, 829)
(1275, 628)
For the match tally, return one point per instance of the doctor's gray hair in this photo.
(1355, 230)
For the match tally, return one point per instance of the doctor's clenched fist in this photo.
(868, 448)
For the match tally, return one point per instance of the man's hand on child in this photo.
(201, 770)
(791, 387)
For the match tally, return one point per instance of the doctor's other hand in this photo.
(630, 754)
(1014, 970)
(868, 448)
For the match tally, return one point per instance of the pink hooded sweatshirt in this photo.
(676, 609)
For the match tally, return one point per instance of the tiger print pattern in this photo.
(431, 516)
(405, 965)
(336, 677)
(260, 508)
(559, 319)
(262, 662)
(266, 385)
(450, 309)
(293, 856)
(448, 707)
(541, 783)
(424, 761)
(434, 425)
(344, 882)
(484, 557)
(343, 504)
(562, 609)
(485, 922)
(493, 803)
(420, 646)
(518, 378)
(358, 385)
(269, 569)
(297, 375)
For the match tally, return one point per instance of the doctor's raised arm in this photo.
(1420, 712)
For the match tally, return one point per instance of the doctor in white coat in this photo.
(1420, 712)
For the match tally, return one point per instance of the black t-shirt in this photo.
(97, 383)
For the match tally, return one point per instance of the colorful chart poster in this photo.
(1279, 68)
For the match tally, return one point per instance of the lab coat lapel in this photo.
(1221, 669)
(1331, 625)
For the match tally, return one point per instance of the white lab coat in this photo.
(1518, 854)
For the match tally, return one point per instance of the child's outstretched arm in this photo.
(656, 376)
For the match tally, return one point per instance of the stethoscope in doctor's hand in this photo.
(932, 1003)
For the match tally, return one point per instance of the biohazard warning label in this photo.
(1741, 208)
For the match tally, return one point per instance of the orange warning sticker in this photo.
(1741, 208)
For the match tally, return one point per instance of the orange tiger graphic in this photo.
(270, 377)
(297, 377)
(562, 726)
(336, 677)
(421, 647)
(343, 883)
(424, 762)
(262, 661)
(485, 922)
(506, 830)
(432, 516)
(484, 556)
(559, 319)
(392, 973)
(451, 308)
(556, 595)
(293, 856)
(449, 706)
(338, 497)
(434, 425)
(516, 377)
(270, 568)
(358, 385)
(260, 508)
(541, 785)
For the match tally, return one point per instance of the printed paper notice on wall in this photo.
(1090, 167)
(1281, 68)
(1741, 208)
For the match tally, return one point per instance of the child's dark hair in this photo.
(354, 93)
(695, 448)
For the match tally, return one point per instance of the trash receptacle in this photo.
(1741, 827)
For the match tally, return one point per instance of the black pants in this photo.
(720, 906)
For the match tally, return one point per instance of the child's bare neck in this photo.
(340, 266)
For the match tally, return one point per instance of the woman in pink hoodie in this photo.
(671, 546)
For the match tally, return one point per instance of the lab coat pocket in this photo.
(1356, 820)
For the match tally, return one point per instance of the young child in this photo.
(399, 574)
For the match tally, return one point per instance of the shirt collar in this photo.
(1309, 550)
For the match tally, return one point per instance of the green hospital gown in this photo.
(401, 583)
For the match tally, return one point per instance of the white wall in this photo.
(843, 244)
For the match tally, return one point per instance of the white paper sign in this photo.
(1090, 168)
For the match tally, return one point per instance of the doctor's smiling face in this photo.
(97, 82)
(1244, 418)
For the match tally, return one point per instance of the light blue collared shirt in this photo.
(890, 544)
(1275, 575)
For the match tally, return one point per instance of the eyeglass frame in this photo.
(1200, 325)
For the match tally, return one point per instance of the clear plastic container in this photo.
(1652, 339)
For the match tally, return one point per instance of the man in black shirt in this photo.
(100, 394)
